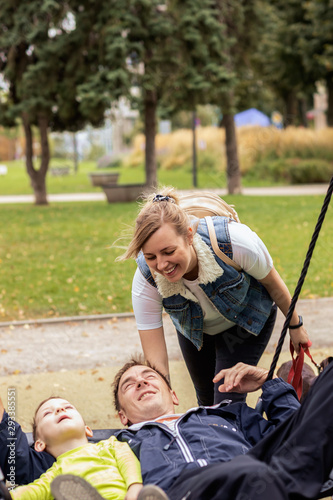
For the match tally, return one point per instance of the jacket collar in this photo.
(209, 271)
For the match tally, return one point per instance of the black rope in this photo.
(301, 279)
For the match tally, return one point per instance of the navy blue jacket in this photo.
(206, 435)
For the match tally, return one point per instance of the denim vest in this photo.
(239, 297)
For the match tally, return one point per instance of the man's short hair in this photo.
(134, 361)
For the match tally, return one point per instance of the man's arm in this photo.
(279, 399)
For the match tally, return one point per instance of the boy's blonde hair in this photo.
(158, 209)
(34, 420)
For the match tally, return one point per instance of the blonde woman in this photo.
(222, 316)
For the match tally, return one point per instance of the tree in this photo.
(150, 31)
(240, 18)
(317, 44)
(175, 51)
(282, 52)
(46, 54)
(203, 75)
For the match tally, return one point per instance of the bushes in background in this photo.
(294, 155)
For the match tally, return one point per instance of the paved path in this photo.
(92, 342)
(307, 189)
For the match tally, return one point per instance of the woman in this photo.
(222, 316)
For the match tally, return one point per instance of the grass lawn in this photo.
(17, 181)
(59, 260)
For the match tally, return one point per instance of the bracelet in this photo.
(293, 327)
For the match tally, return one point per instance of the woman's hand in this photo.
(241, 378)
(299, 336)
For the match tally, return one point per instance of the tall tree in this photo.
(317, 45)
(174, 51)
(282, 29)
(204, 74)
(46, 54)
(150, 29)
(239, 19)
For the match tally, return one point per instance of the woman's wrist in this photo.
(298, 325)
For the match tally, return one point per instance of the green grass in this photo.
(17, 182)
(57, 260)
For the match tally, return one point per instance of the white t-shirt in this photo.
(248, 251)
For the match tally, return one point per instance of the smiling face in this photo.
(144, 395)
(56, 421)
(170, 254)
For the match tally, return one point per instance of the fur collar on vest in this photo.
(209, 271)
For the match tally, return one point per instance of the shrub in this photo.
(292, 170)
(310, 171)
(292, 155)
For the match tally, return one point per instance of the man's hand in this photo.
(241, 378)
(133, 491)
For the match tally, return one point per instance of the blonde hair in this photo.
(153, 215)
(34, 420)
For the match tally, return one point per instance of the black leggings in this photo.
(220, 351)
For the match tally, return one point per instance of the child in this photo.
(110, 466)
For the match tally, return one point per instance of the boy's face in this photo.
(144, 395)
(57, 420)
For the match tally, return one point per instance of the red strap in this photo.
(295, 374)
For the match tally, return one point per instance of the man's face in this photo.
(144, 395)
(58, 420)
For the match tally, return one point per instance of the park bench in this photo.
(104, 178)
(59, 171)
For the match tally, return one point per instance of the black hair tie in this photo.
(160, 197)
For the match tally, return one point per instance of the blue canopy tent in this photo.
(252, 117)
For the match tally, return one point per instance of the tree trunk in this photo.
(75, 154)
(329, 85)
(194, 150)
(291, 109)
(150, 107)
(37, 177)
(302, 112)
(233, 170)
